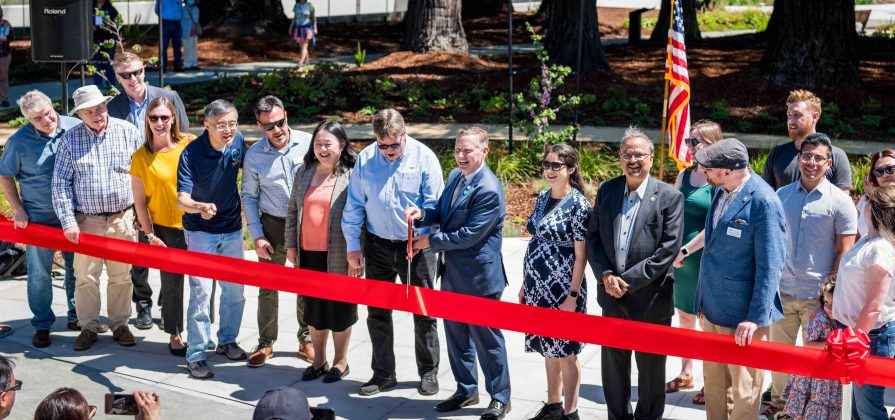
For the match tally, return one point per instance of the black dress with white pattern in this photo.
(549, 260)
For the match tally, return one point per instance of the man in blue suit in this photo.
(469, 216)
(739, 277)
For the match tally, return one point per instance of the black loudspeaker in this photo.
(61, 30)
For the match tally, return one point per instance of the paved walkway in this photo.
(108, 367)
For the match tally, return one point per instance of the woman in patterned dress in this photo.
(554, 273)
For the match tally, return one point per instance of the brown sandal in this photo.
(699, 398)
(678, 384)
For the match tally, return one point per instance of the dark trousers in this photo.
(140, 278)
(274, 229)
(171, 296)
(172, 32)
(386, 259)
(616, 370)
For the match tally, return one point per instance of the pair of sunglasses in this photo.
(163, 118)
(127, 75)
(888, 170)
(395, 146)
(553, 166)
(270, 126)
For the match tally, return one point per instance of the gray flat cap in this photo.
(725, 154)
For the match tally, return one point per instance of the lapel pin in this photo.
(745, 199)
(652, 199)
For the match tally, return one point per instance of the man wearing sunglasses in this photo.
(267, 177)
(394, 173)
(130, 105)
(8, 387)
(803, 110)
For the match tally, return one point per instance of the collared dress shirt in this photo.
(267, 177)
(92, 173)
(624, 223)
(137, 116)
(380, 190)
(727, 198)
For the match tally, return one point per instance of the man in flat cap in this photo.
(739, 278)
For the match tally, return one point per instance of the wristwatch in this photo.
(684, 252)
(573, 293)
(150, 236)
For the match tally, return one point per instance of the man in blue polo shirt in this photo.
(29, 158)
(207, 193)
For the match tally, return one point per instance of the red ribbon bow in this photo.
(850, 347)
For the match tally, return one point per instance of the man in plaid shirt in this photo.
(92, 194)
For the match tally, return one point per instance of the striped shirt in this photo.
(92, 173)
(267, 177)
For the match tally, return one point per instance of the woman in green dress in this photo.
(697, 200)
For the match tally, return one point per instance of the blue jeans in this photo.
(40, 285)
(198, 315)
(868, 399)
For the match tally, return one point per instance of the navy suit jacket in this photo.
(119, 106)
(470, 234)
(655, 242)
(743, 259)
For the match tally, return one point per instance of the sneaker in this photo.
(259, 356)
(123, 336)
(84, 340)
(144, 319)
(375, 385)
(200, 370)
(232, 351)
(41, 339)
(428, 384)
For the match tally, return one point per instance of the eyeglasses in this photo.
(127, 75)
(808, 158)
(691, 142)
(553, 166)
(887, 170)
(15, 387)
(270, 126)
(156, 118)
(634, 157)
(394, 146)
(226, 126)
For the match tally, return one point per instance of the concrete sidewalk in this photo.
(108, 367)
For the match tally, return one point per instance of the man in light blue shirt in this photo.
(171, 31)
(29, 158)
(267, 177)
(821, 224)
(391, 175)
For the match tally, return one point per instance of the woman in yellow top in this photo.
(154, 183)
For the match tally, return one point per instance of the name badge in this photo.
(736, 233)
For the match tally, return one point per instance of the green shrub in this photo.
(860, 167)
(757, 162)
(871, 121)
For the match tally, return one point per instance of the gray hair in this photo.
(6, 365)
(217, 108)
(267, 104)
(33, 101)
(477, 132)
(633, 132)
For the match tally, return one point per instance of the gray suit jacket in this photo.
(119, 106)
(337, 258)
(655, 242)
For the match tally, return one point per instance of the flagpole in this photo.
(668, 64)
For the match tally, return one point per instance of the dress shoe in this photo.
(550, 411)
(428, 384)
(84, 340)
(259, 356)
(335, 374)
(144, 319)
(312, 373)
(123, 336)
(495, 411)
(375, 385)
(456, 402)
(306, 352)
(41, 339)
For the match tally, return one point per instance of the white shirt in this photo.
(851, 281)
(624, 223)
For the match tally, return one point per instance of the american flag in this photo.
(679, 97)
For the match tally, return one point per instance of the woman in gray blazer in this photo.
(314, 241)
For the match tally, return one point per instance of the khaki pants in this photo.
(796, 313)
(731, 391)
(88, 270)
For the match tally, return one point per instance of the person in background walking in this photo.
(304, 28)
(189, 25)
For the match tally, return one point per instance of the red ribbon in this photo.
(605, 331)
(850, 347)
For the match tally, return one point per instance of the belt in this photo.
(108, 213)
(381, 239)
(272, 216)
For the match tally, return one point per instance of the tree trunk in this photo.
(813, 45)
(240, 18)
(691, 25)
(434, 26)
(561, 39)
(480, 8)
(545, 11)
